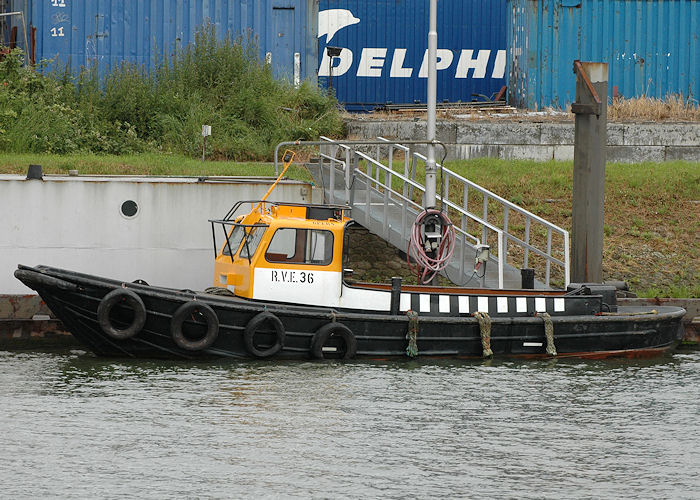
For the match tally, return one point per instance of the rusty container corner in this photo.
(645, 55)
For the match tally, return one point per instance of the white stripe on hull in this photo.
(315, 288)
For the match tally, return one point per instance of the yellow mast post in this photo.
(287, 159)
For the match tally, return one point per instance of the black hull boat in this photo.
(114, 318)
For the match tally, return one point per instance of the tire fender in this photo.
(252, 328)
(121, 296)
(324, 333)
(186, 311)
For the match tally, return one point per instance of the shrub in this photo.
(221, 83)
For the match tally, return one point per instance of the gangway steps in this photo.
(396, 232)
(349, 174)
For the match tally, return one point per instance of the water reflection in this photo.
(80, 426)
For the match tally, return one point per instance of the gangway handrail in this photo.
(499, 199)
(420, 187)
(508, 205)
(392, 197)
(499, 232)
(491, 194)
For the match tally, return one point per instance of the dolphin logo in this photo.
(333, 20)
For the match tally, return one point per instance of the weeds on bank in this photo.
(672, 107)
(216, 82)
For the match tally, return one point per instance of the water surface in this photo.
(82, 427)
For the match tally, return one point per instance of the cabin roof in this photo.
(309, 213)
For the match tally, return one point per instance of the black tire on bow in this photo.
(254, 326)
(124, 297)
(187, 312)
(334, 338)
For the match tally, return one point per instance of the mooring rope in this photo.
(215, 290)
(412, 335)
(485, 330)
(548, 332)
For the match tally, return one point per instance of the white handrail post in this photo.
(347, 175)
(527, 242)
(331, 180)
(567, 277)
(500, 259)
(548, 265)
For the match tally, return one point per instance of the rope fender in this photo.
(485, 330)
(412, 335)
(548, 332)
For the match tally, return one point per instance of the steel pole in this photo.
(430, 167)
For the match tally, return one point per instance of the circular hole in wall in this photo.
(129, 209)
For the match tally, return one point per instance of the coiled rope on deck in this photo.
(549, 333)
(215, 290)
(412, 335)
(485, 330)
(428, 266)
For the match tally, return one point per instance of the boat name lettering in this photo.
(292, 277)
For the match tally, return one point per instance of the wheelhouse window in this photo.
(234, 241)
(301, 246)
(251, 241)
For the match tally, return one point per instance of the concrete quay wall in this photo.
(542, 141)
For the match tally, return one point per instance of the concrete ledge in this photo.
(505, 133)
(670, 134)
(557, 133)
(541, 141)
(687, 153)
(635, 154)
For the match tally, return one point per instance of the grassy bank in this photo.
(221, 83)
(652, 216)
(157, 164)
(652, 213)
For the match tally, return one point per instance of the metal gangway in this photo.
(380, 182)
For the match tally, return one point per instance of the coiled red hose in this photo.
(427, 266)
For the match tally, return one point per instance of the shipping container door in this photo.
(101, 40)
(283, 42)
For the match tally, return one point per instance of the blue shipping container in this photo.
(384, 45)
(106, 32)
(651, 47)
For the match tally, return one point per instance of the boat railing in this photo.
(517, 242)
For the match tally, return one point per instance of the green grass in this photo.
(674, 292)
(211, 81)
(157, 164)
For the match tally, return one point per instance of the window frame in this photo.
(249, 240)
(308, 230)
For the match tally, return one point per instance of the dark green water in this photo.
(80, 427)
